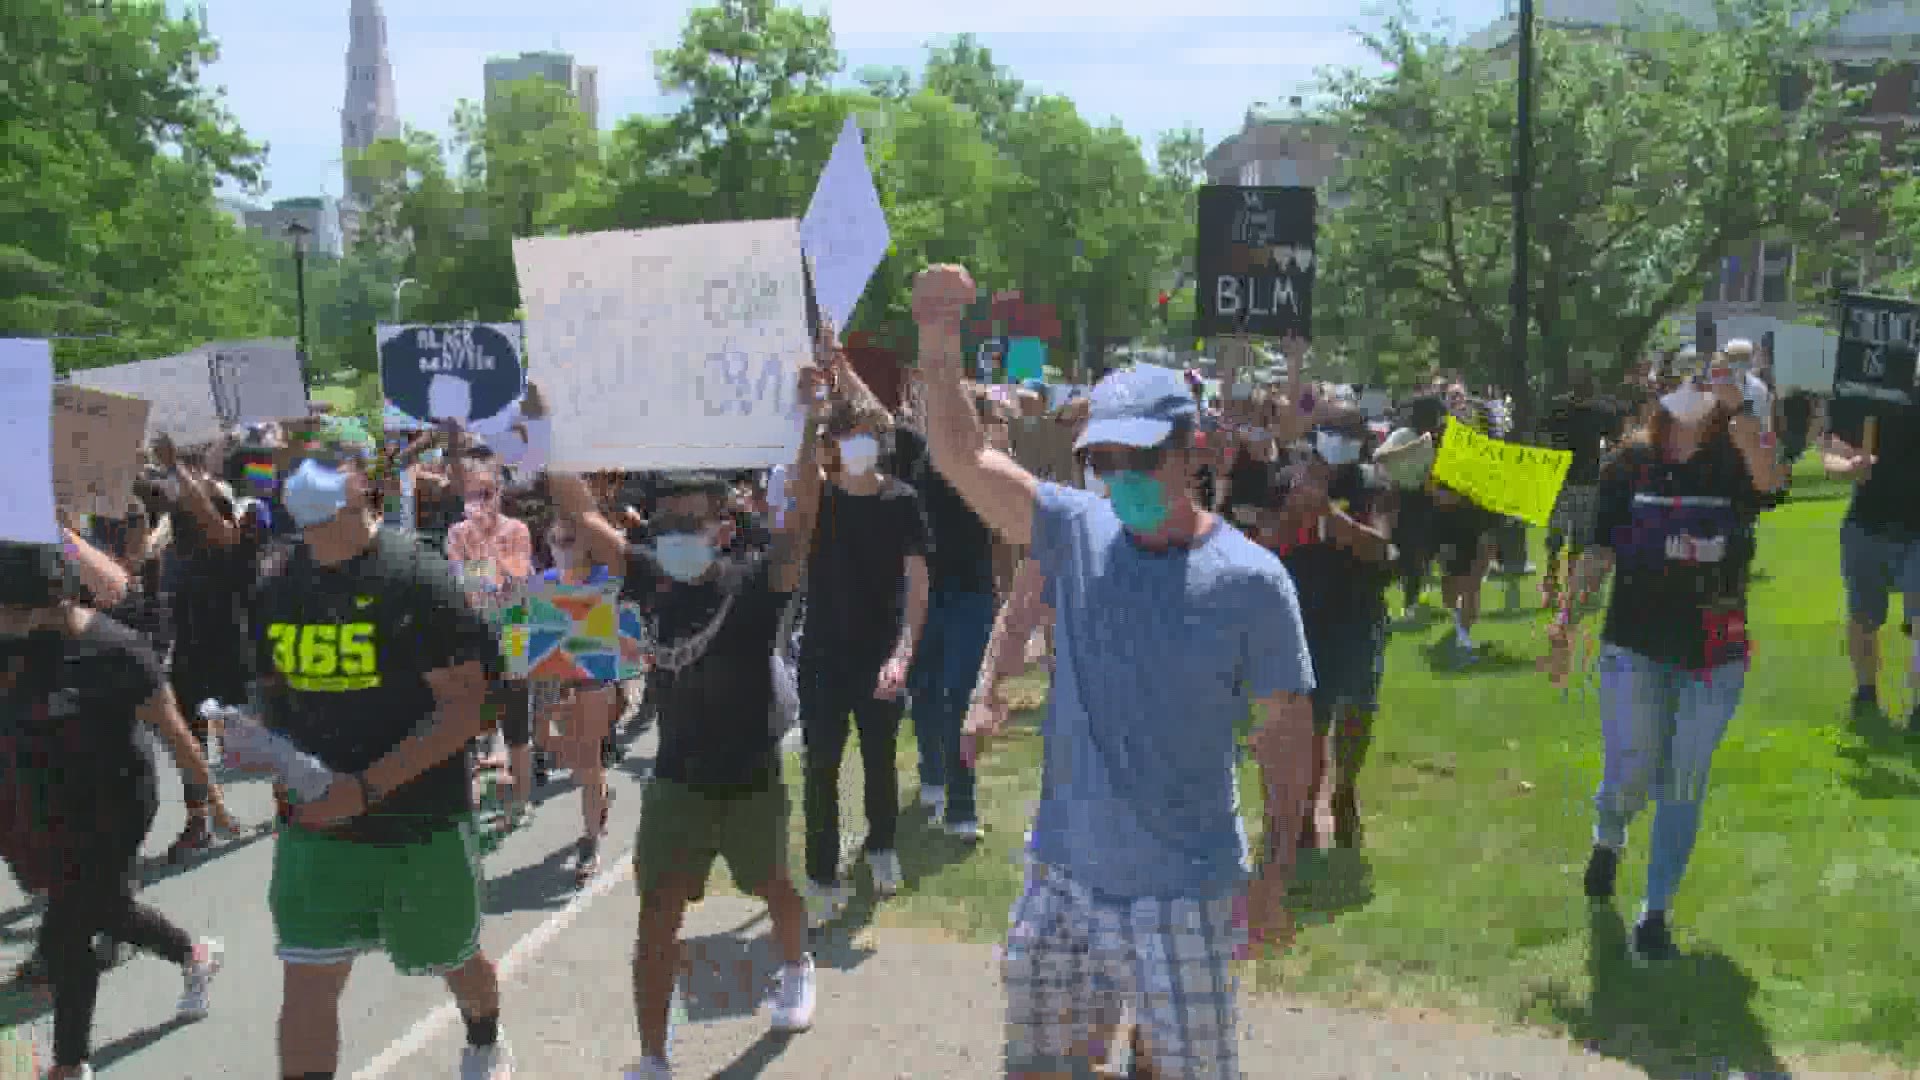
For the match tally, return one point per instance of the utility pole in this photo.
(299, 234)
(1517, 383)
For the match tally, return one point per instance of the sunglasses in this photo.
(1109, 460)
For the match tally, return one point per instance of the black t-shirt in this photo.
(960, 558)
(1250, 488)
(347, 649)
(861, 544)
(1337, 589)
(207, 604)
(1887, 502)
(716, 727)
(1682, 537)
(72, 733)
(1427, 414)
(1579, 427)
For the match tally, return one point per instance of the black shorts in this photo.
(1457, 534)
(509, 696)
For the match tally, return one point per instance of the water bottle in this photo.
(306, 777)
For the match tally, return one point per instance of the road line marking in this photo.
(431, 1025)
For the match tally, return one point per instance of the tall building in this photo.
(370, 113)
(319, 215)
(580, 80)
(1278, 148)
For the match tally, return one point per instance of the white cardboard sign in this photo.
(673, 348)
(178, 388)
(845, 231)
(26, 441)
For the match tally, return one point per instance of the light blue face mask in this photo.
(683, 556)
(1139, 501)
(314, 494)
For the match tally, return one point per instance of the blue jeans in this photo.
(1661, 723)
(946, 666)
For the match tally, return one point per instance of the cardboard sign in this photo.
(1506, 478)
(97, 438)
(1873, 366)
(673, 348)
(178, 388)
(254, 382)
(26, 438)
(471, 372)
(1255, 261)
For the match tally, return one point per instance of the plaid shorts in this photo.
(1071, 958)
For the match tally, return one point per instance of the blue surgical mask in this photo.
(684, 556)
(314, 494)
(1335, 448)
(1139, 501)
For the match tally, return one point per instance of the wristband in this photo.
(366, 789)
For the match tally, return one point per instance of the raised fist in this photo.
(941, 295)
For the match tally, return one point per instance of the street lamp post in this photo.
(399, 285)
(1517, 383)
(299, 234)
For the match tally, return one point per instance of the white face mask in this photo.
(1095, 484)
(1690, 404)
(859, 454)
(1337, 449)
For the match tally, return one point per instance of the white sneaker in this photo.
(968, 831)
(933, 798)
(886, 871)
(199, 973)
(487, 1062)
(792, 1004)
(651, 1069)
(824, 902)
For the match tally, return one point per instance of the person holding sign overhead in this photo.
(1674, 518)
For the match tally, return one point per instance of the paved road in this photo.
(224, 895)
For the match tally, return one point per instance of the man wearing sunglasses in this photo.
(368, 657)
(1167, 621)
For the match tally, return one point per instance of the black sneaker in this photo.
(586, 859)
(1651, 938)
(193, 840)
(1602, 865)
(1866, 697)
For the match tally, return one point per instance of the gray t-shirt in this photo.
(1159, 656)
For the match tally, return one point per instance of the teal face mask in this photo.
(1139, 501)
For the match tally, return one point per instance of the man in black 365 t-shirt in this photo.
(368, 658)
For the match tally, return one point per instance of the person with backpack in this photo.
(79, 788)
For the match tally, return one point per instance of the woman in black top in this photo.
(1675, 514)
(78, 790)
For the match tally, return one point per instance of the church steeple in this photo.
(369, 113)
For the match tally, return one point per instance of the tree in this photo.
(1653, 161)
(112, 156)
(963, 70)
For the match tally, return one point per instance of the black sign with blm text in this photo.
(1255, 261)
(1873, 366)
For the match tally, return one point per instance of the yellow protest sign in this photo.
(1506, 478)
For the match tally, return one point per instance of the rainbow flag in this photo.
(259, 474)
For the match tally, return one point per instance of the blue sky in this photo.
(1151, 66)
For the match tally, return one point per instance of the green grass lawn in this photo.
(1799, 921)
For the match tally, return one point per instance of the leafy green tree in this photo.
(1653, 161)
(113, 152)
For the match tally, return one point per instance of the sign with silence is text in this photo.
(672, 348)
(1873, 364)
(470, 372)
(1506, 478)
(1255, 261)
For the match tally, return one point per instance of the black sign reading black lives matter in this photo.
(485, 357)
(1873, 366)
(1255, 261)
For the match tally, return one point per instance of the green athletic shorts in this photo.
(683, 828)
(333, 899)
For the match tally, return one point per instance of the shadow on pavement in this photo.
(1687, 1017)
(727, 976)
(128, 1045)
(755, 1059)
(1885, 759)
(543, 886)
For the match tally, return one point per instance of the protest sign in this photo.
(472, 372)
(1506, 478)
(26, 441)
(564, 633)
(1255, 261)
(1873, 364)
(178, 389)
(671, 348)
(845, 232)
(96, 449)
(254, 382)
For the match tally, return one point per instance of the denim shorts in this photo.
(1874, 565)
